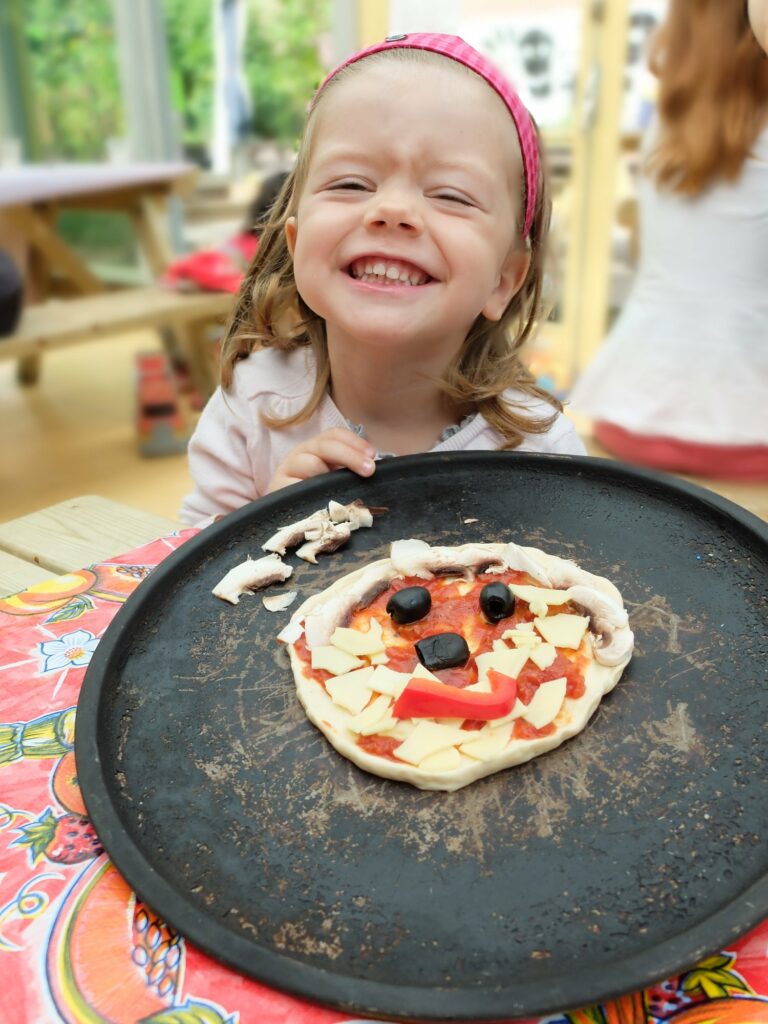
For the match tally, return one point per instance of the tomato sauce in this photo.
(525, 731)
(401, 659)
(531, 678)
(314, 673)
(382, 746)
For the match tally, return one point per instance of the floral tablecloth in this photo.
(77, 945)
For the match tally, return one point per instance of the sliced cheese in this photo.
(481, 686)
(518, 711)
(543, 655)
(563, 630)
(546, 703)
(375, 717)
(523, 627)
(423, 673)
(527, 593)
(354, 641)
(401, 730)
(332, 660)
(379, 659)
(380, 726)
(455, 722)
(386, 680)
(509, 662)
(539, 608)
(442, 761)
(352, 690)
(520, 638)
(487, 742)
(428, 738)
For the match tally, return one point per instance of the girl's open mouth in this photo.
(378, 270)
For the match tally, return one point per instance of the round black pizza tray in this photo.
(620, 858)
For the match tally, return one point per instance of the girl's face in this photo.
(407, 224)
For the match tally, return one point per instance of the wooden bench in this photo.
(60, 322)
(70, 535)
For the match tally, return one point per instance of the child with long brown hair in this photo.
(395, 283)
(681, 383)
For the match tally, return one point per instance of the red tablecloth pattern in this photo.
(76, 944)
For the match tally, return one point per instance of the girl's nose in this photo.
(394, 209)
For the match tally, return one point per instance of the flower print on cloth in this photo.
(71, 650)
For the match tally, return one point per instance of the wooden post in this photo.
(372, 21)
(597, 146)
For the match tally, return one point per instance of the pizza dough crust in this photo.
(332, 720)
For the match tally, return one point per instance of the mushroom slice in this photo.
(252, 574)
(516, 558)
(324, 539)
(416, 558)
(609, 623)
(294, 533)
(291, 631)
(320, 623)
(356, 513)
(279, 602)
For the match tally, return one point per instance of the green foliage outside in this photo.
(76, 87)
(282, 64)
(76, 92)
(189, 36)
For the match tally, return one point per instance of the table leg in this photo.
(149, 216)
(150, 222)
(34, 231)
(40, 234)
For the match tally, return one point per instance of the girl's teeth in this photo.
(379, 272)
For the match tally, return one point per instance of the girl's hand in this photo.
(333, 449)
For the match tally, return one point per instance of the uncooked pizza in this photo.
(440, 665)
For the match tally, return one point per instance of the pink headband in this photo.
(455, 48)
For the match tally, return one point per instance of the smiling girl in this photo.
(395, 283)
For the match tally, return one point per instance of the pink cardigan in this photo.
(233, 456)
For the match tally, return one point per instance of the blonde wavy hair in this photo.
(713, 93)
(269, 312)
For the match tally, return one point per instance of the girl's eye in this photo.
(454, 197)
(348, 186)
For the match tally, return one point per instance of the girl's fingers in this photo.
(333, 449)
(338, 452)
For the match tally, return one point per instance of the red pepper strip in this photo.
(425, 698)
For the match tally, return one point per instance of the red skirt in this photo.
(724, 462)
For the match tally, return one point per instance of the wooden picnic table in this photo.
(31, 198)
(70, 535)
(32, 195)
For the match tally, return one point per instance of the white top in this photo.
(688, 356)
(233, 455)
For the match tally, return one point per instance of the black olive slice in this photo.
(409, 604)
(443, 650)
(496, 601)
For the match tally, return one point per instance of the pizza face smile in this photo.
(437, 674)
